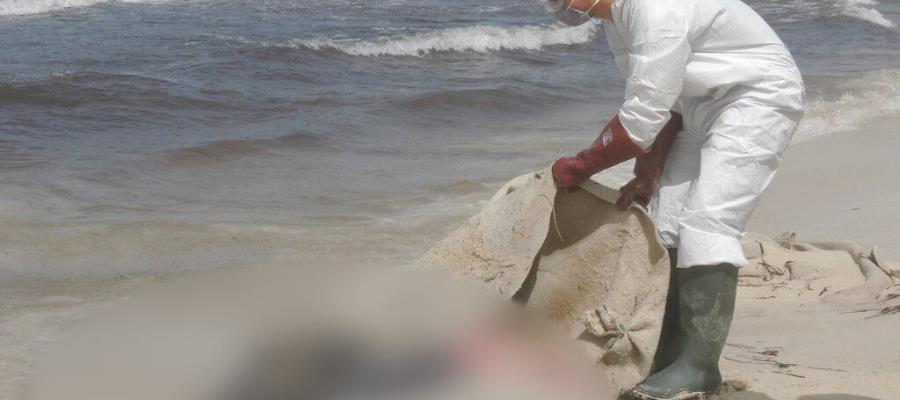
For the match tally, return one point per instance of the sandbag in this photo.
(599, 273)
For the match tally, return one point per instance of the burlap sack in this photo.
(572, 257)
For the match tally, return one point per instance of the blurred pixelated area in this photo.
(279, 333)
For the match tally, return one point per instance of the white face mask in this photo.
(568, 15)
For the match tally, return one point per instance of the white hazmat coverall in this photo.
(725, 70)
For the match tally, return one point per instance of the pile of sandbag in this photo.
(840, 272)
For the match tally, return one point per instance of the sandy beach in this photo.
(784, 344)
(144, 143)
(843, 186)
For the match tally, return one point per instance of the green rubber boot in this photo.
(706, 296)
(669, 346)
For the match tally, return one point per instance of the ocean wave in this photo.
(73, 89)
(789, 12)
(139, 95)
(64, 89)
(233, 149)
(479, 39)
(873, 95)
(496, 99)
(864, 10)
(37, 94)
(29, 7)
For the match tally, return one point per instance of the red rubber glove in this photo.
(612, 147)
(649, 167)
(648, 170)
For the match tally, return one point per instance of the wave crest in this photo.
(873, 95)
(479, 39)
(864, 10)
(29, 7)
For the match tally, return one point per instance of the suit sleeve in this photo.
(657, 54)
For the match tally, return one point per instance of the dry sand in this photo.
(842, 186)
(790, 344)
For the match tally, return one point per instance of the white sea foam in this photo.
(864, 10)
(481, 39)
(28, 7)
(784, 12)
(872, 95)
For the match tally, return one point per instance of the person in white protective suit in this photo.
(712, 100)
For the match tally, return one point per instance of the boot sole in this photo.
(692, 395)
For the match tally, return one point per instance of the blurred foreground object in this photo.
(599, 273)
(309, 333)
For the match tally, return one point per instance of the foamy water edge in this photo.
(865, 10)
(872, 95)
(479, 39)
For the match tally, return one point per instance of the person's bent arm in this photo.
(658, 53)
(649, 166)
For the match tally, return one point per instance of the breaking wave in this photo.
(864, 10)
(786, 12)
(873, 95)
(480, 39)
(29, 7)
